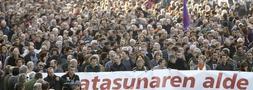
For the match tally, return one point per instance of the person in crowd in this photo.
(225, 63)
(11, 60)
(30, 70)
(94, 64)
(126, 61)
(249, 61)
(29, 84)
(140, 64)
(162, 64)
(7, 75)
(54, 64)
(31, 56)
(213, 61)
(1, 76)
(20, 82)
(157, 57)
(117, 65)
(69, 79)
(53, 80)
(13, 78)
(202, 63)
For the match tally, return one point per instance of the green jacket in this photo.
(29, 84)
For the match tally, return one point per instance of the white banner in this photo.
(166, 80)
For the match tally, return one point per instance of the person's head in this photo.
(162, 63)
(71, 70)
(240, 49)
(23, 69)
(15, 51)
(7, 70)
(201, 59)
(140, 61)
(196, 52)
(73, 62)
(157, 55)
(94, 60)
(53, 63)
(125, 54)
(54, 51)
(22, 78)
(41, 66)
(38, 76)
(249, 56)
(117, 59)
(3, 23)
(156, 47)
(50, 71)
(224, 58)
(69, 58)
(19, 62)
(30, 65)
(244, 66)
(37, 86)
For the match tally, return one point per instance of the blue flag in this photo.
(186, 19)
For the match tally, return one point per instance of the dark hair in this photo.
(160, 61)
(45, 85)
(15, 71)
(38, 76)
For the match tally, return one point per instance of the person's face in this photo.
(224, 58)
(140, 62)
(71, 71)
(52, 64)
(54, 53)
(3, 23)
(50, 72)
(94, 61)
(163, 63)
(19, 63)
(215, 56)
(31, 49)
(158, 56)
(201, 60)
(4, 49)
(249, 55)
(117, 59)
(16, 51)
(40, 66)
(240, 50)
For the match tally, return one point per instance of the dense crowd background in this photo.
(48, 36)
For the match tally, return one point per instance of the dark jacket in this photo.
(90, 68)
(12, 82)
(6, 79)
(54, 82)
(225, 66)
(116, 67)
(68, 82)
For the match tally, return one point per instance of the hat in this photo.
(226, 51)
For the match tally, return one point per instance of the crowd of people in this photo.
(69, 36)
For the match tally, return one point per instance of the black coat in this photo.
(116, 67)
(54, 82)
(68, 82)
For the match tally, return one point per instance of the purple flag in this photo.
(186, 19)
